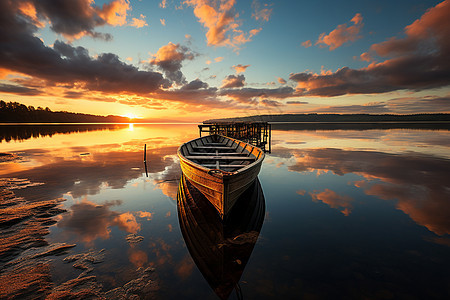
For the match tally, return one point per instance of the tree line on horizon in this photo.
(14, 112)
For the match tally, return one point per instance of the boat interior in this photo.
(220, 153)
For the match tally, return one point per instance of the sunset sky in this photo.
(192, 60)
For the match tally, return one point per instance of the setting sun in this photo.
(131, 116)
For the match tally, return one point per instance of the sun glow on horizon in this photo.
(131, 116)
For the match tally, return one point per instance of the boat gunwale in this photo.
(224, 173)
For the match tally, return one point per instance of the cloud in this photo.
(114, 13)
(365, 57)
(195, 85)
(24, 53)
(91, 221)
(334, 200)
(145, 215)
(240, 68)
(404, 105)
(138, 23)
(163, 4)
(169, 59)
(281, 80)
(76, 18)
(221, 22)
(342, 34)
(418, 184)
(163, 22)
(416, 62)
(19, 90)
(233, 81)
(307, 44)
(270, 103)
(85, 177)
(218, 59)
(251, 95)
(261, 13)
(296, 102)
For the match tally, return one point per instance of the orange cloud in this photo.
(137, 257)
(163, 4)
(92, 221)
(433, 25)
(342, 34)
(365, 57)
(417, 62)
(240, 68)
(169, 58)
(281, 80)
(127, 222)
(221, 21)
(29, 10)
(145, 215)
(167, 53)
(185, 267)
(163, 22)
(417, 184)
(334, 200)
(218, 59)
(233, 81)
(261, 13)
(115, 13)
(138, 23)
(307, 44)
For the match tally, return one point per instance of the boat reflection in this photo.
(220, 248)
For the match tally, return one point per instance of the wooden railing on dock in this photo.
(255, 133)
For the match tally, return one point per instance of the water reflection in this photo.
(349, 214)
(82, 175)
(220, 249)
(419, 184)
(24, 132)
(90, 221)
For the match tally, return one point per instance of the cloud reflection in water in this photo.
(90, 221)
(418, 183)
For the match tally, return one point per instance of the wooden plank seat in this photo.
(213, 147)
(214, 144)
(205, 157)
(223, 166)
(214, 154)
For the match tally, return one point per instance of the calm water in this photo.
(348, 213)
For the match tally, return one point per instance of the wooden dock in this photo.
(255, 133)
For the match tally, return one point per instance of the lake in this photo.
(349, 214)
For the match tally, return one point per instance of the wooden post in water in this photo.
(145, 152)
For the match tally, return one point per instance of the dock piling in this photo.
(255, 133)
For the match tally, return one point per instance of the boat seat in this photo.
(215, 154)
(213, 147)
(223, 166)
(215, 144)
(206, 157)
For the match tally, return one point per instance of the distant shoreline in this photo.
(365, 122)
(338, 118)
(96, 123)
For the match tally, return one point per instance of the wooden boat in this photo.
(220, 167)
(220, 248)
